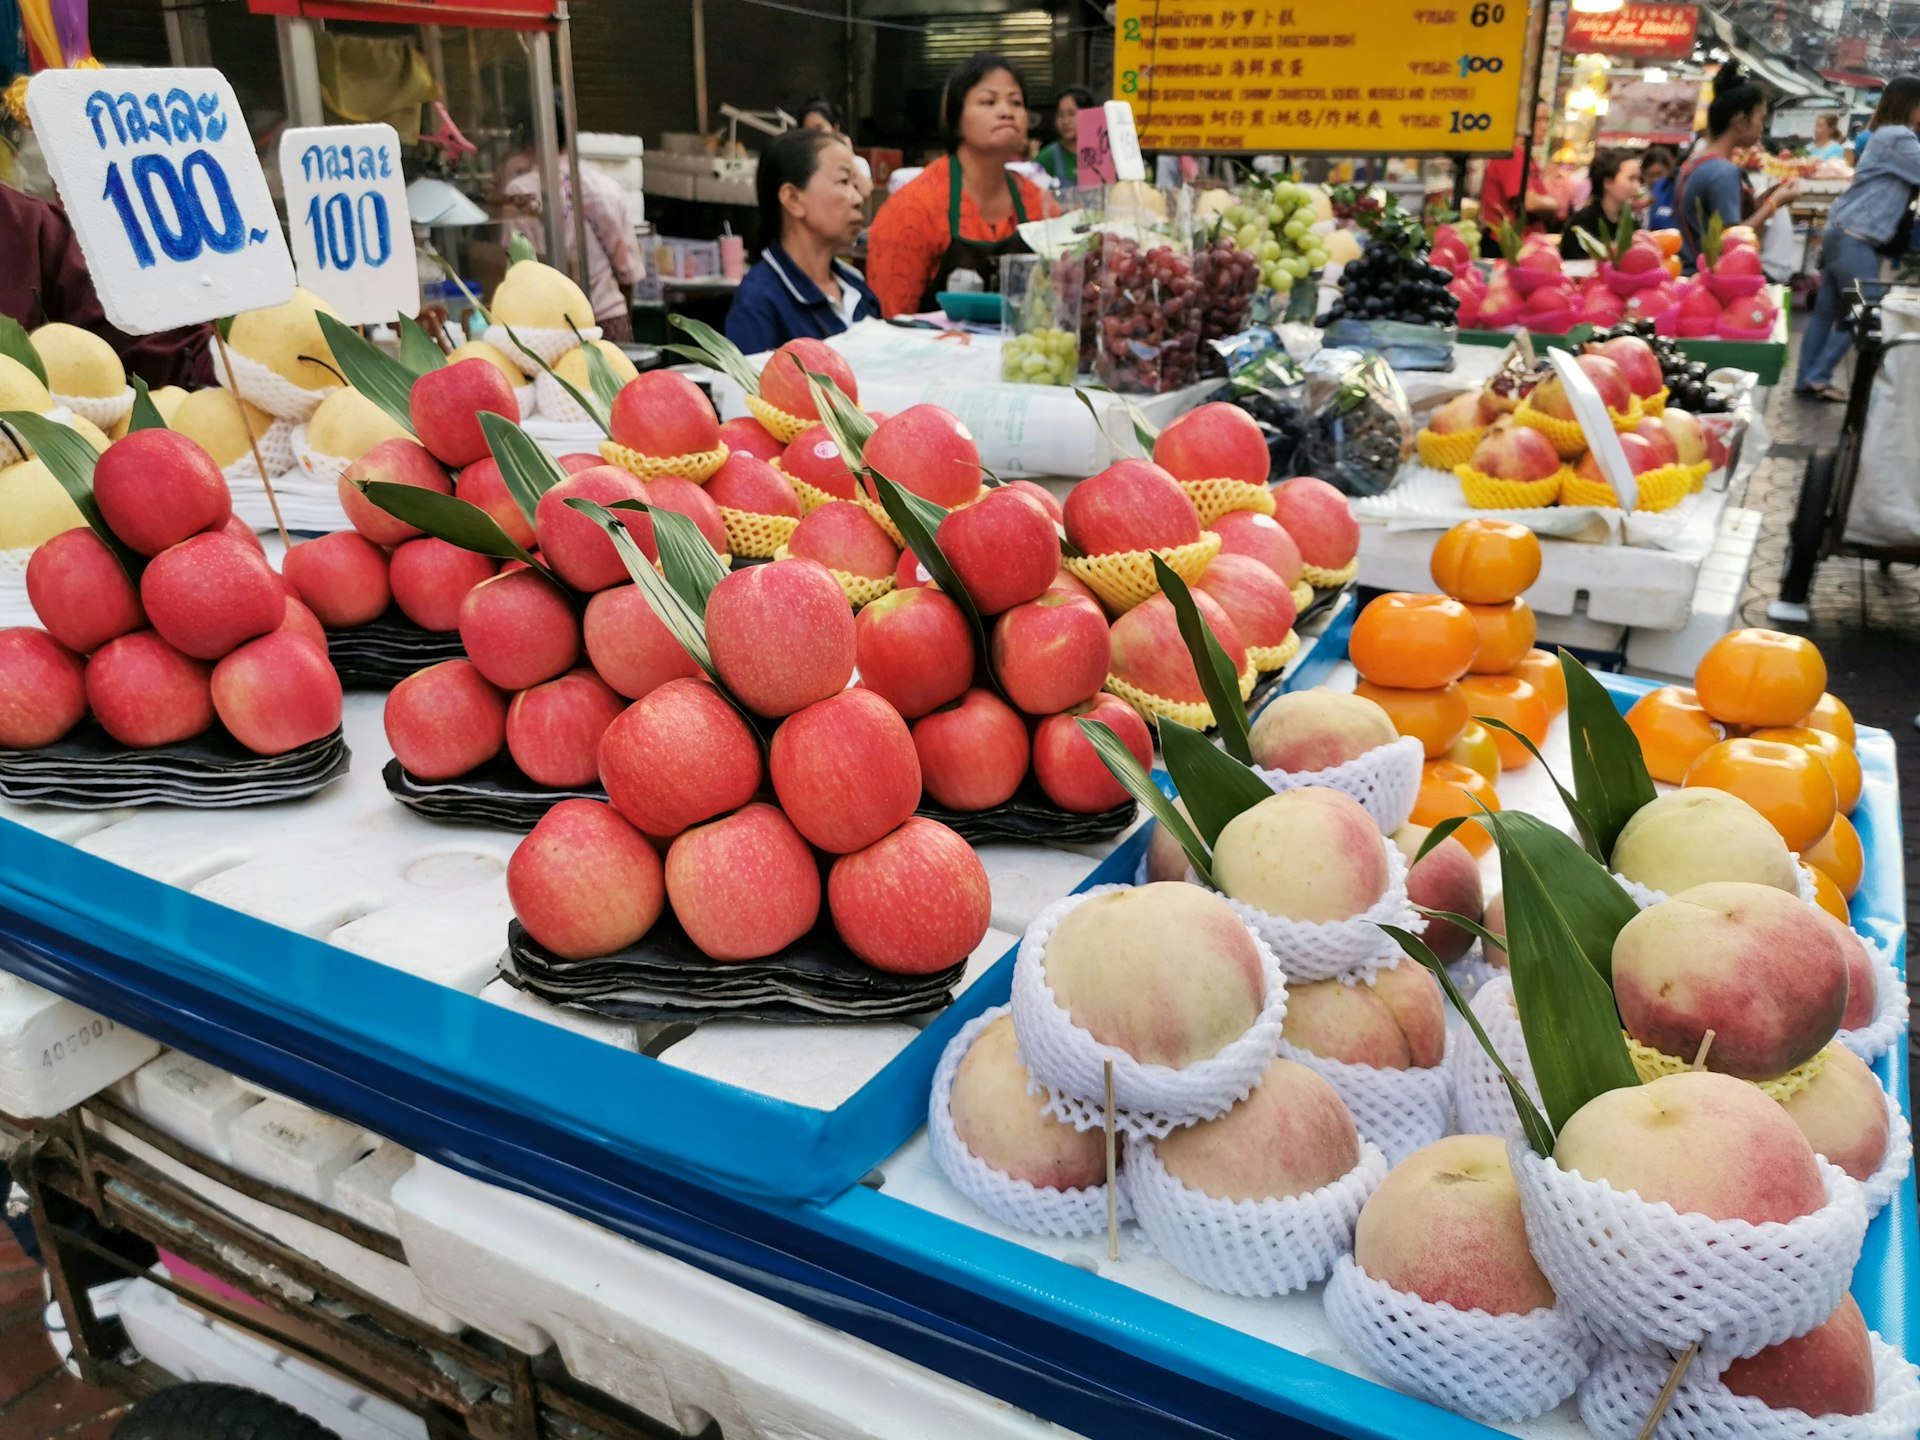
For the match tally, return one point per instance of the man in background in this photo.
(613, 261)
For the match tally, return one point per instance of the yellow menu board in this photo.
(1341, 76)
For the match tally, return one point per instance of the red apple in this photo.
(1130, 505)
(1263, 538)
(481, 484)
(1256, 600)
(1515, 452)
(677, 756)
(913, 902)
(145, 693)
(430, 578)
(574, 545)
(278, 692)
(781, 635)
(243, 532)
(914, 649)
(1052, 652)
(1640, 459)
(973, 752)
(79, 591)
(743, 886)
(842, 536)
(683, 497)
(398, 461)
(662, 413)
(845, 770)
(554, 729)
(629, 646)
(1462, 412)
(747, 436)
(209, 593)
(446, 405)
(1048, 502)
(157, 487)
(1637, 363)
(445, 721)
(783, 380)
(1320, 520)
(1148, 651)
(573, 464)
(43, 689)
(301, 621)
(815, 458)
(343, 578)
(519, 629)
(910, 574)
(1550, 396)
(1004, 548)
(1215, 442)
(585, 883)
(1069, 769)
(1689, 440)
(929, 451)
(749, 484)
(1657, 436)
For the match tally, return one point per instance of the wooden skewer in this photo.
(1700, 1055)
(1113, 1189)
(253, 444)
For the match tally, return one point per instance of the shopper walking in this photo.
(1873, 217)
(1710, 183)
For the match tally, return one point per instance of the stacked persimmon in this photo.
(1759, 723)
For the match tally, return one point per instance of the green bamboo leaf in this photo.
(370, 370)
(1609, 772)
(683, 622)
(445, 517)
(607, 385)
(1099, 423)
(686, 558)
(1473, 927)
(223, 326)
(1575, 809)
(15, 345)
(597, 412)
(1215, 786)
(1539, 1134)
(418, 352)
(918, 520)
(1563, 911)
(1144, 430)
(146, 415)
(849, 425)
(713, 349)
(1134, 778)
(528, 470)
(1436, 834)
(1210, 662)
(69, 456)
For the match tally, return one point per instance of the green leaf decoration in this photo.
(1435, 835)
(595, 410)
(16, 346)
(688, 560)
(600, 375)
(850, 426)
(1134, 778)
(1144, 430)
(683, 622)
(519, 248)
(418, 350)
(1210, 662)
(1539, 1134)
(529, 471)
(1563, 911)
(146, 415)
(918, 520)
(370, 370)
(70, 456)
(713, 349)
(1215, 786)
(223, 326)
(458, 522)
(1609, 772)
(1567, 797)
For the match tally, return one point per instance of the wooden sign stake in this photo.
(253, 444)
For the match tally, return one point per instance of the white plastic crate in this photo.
(54, 1053)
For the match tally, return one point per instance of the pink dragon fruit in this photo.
(1751, 317)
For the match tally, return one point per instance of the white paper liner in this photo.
(1623, 1387)
(1149, 1100)
(105, 411)
(1889, 1023)
(1646, 897)
(1492, 1367)
(527, 397)
(1248, 1247)
(550, 398)
(544, 344)
(1350, 949)
(324, 469)
(1385, 780)
(15, 608)
(1644, 1276)
(1018, 1203)
(1482, 1104)
(1398, 1110)
(276, 445)
(270, 391)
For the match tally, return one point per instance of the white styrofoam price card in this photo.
(1128, 163)
(158, 174)
(347, 219)
(1591, 411)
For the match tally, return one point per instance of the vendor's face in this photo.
(1750, 127)
(816, 121)
(1066, 118)
(994, 116)
(1625, 183)
(829, 204)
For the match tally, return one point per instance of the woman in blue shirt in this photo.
(810, 207)
(1710, 183)
(1860, 222)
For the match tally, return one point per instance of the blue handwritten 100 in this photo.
(175, 198)
(346, 231)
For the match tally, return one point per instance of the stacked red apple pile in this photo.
(204, 631)
(684, 770)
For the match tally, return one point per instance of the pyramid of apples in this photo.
(178, 624)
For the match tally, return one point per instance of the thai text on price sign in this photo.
(347, 214)
(160, 179)
(1342, 76)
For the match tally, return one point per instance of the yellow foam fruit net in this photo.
(756, 535)
(879, 512)
(1697, 475)
(1569, 440)
(777, 422)
(1321, 578)
(1214, 498)
(1636, 412)
(1656, 403)
(1125, 578)
(1652, 1064)
(1443, 452)
(1274, 657)
(1194, 714)
(697, 467)
(1661, 488)
(1490, 492)
(859, 589)
(1302, 595)
(812, 497)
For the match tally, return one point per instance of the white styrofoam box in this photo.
(365, 1188)
(385, 1279)
(192, 1101)
(985, 956)
(467, 942)
(192, 1345)
(54, 1053)
(1027, 878)
(665, 1337)
(820, 1066)
(286, 1144)
(1716, 605)
(621, 1034)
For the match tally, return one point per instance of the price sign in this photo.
(166, 195)
(1095, 147)
(347, 214)
(1341, 76)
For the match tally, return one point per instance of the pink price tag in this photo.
(1095, 147)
